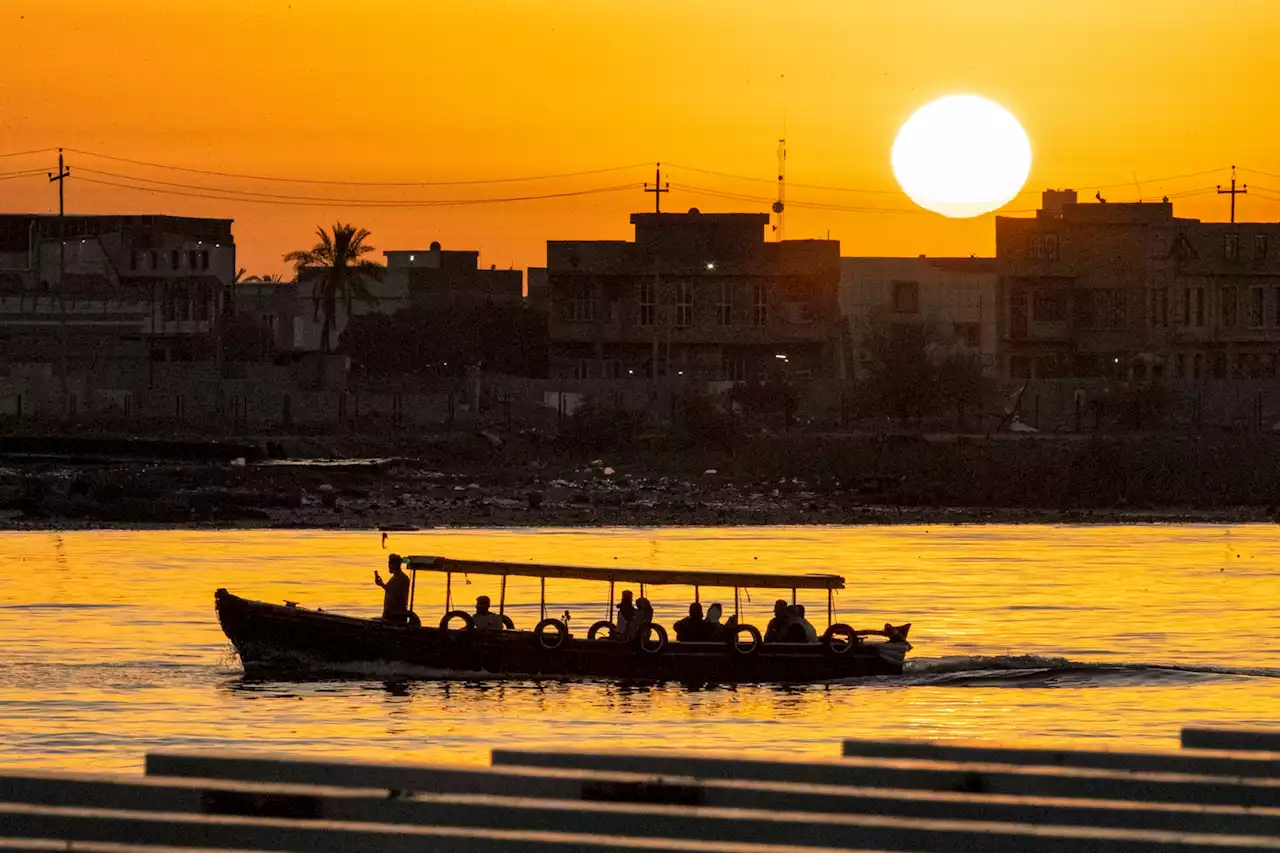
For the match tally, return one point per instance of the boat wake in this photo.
(1040, 671)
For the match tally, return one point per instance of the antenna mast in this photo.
(779, 206)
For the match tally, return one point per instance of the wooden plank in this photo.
(614, 828)
(932, 775)
(37, 845)
(618, 574)
(638, 788)
(1205, 762)
(1249, 740)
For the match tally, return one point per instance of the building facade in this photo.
(1129, 291)
(442, 279)
(696, 295)
(953, 298)
(84, 288)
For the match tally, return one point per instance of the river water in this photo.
(1092, 636)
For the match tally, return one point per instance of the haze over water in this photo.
(112, 648)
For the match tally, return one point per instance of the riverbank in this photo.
(522, 479)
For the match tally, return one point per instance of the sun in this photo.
(962, 156)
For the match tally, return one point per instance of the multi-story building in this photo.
(698, 295)
(83, 288)
(441, 279)
(285, 316)
(953, 298)
(1131, 291)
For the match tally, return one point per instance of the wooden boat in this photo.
(292, 640)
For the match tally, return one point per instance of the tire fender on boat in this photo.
(507, 624)
(548, 641)
(603, 625)
(738, 647)
(467, 622)
(659, 643)
(414, 621)
(839, 638)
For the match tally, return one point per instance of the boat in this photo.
(286, 639)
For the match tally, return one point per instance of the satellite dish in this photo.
(777, 207)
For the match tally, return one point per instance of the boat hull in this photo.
(290, 640)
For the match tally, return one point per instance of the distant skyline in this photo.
(1107, 91)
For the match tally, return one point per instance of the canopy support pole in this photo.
(413, 589)
(735, 602)
(696, 595)
(609, 616)
(448, 591)
(793, 596)
(831, 610)
(502, 596)
(543, 599)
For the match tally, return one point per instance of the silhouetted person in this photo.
(626, 613)
(395, 591)
(639, 624)
(780, 622)
(795, 632)
(691, 628)
(484, 618)
(712, 629)
(810, 632)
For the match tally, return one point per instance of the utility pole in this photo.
(657, 189)
(780, 205)
(1233, 192)
(61, 178)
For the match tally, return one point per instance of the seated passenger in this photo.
(810, 632)
(778, 625)
(626, 613)
(639, 624)
(794, 632)
(484, 618)
(713, 631)
(690, 629)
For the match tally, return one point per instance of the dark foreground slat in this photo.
(1252, 740)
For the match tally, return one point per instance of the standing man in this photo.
(395, 592)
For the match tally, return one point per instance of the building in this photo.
(701, 295)
(285, 316)
(1129, 291)
(536, 294)
(954, 298)
(442, 279)
(78, 289)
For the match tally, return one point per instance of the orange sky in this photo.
(453, 89)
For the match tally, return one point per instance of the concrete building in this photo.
(954, 298)
(91, 288)
(1129, 291)
(440, 278)
(536, 294)
(285, 314)
(696, 295)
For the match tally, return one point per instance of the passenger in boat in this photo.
(692, 628)
(712, 629)
(626, 613)
(782, 618)
(484, 618)
(795, 632)
(810, 632)
(640, 623)
(395, 591)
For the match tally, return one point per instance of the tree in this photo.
(337, 272)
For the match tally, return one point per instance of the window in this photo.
(1231, 246)
(1101, 308)
(684, 305)
(724, 306)
(175, 259)
(759, 305)
(135, 259)
(1219, 364)
(799, 313)
(182, 304)
(581, 368)
(201, 306)
(1180, 371)
(1257, 307)
(204, 259)
(153, 260)
(1259, 247)
(906, 297)
(1018, 314)
(1198, 317)
(732, 368)
(1160, 307)
(582, 308)
(1043, 247)
(167, 305)
(969, 334)
(648, 305)
(193, 259)
(1046, 307)
(1228, 313)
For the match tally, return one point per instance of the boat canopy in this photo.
(656, 577)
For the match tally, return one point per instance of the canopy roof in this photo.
(656, 577)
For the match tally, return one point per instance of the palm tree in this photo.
(338, 272)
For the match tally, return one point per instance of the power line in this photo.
(364, 202)
(358, 183)
(29, 173)
(27, 153)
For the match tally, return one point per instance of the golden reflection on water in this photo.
(111, 646)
